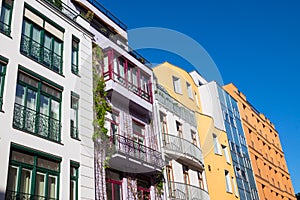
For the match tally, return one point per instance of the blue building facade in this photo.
(238, 147)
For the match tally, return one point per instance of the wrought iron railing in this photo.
(13, 195)
(41, 54)
(75, 69)
(146, 95)
(136, 150)
(64, 8)
(183, 146)
(183, 191)
(31, 121)
(74, 132)
(108, 14)
(5, 28)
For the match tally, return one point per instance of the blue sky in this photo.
(255, 45)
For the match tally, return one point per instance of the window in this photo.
(217, 146)
(189, 89)
(32, 175)
(37, 106)
(200, 180)
(5, 17)
(3, 63)
(186, 177)
(75, 50)
(228, 182)
(194, 137)
(42, 41)
(138, 132)
(226, 153)
(113, 185)
(114, 123)
(177, 85)
(235, 187)
(170, 179)
(74, 174)
(74, 115)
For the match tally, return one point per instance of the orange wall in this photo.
(267, 158)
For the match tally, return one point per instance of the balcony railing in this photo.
(5, 28)
(183, 191)
(64, 8)
(114, 37)
(13, 195)
(74, 132)
(136, 150)
(30, 121)
(41, 54)
(108, 14)
(182, 146)
(173, 105)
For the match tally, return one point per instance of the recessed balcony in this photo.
(183, 191)
(131, 156)
(182, 150)
(63, 8)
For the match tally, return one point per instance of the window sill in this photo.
(74, 138)
(2, 111)
(76, 74)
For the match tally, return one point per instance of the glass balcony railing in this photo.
(5, 28)
(64, 8)
(30, 121)
(41, 54)
(186, 192)
(173, 105)
(136, 150)
(13, 195)
(182, 146)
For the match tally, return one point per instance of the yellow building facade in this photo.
(271, 173)
(181, 86)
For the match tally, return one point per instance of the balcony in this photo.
(13, 195)
(131, 156)
(41, 54)
(38, 124)
(183, 150)
(5, 28)
(63, 8)
(108, 14)
(183, 191)
(126, 74)
(174, 106)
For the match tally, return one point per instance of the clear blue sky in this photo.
(255, 44)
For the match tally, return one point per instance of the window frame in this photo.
(10, 8)
(39, 92)
(35, 170)
(177, 85)
(3, 65)
(228, 182)
(75, 49)
(189, 90)
(76, 111)
(75, 166)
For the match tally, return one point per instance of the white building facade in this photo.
(46, 102)
(184, 173)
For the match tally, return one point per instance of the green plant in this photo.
(160, 182)
(58, 4)
(298, 196)
(89, 15)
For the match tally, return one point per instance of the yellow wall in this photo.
(215, 165)
(267, 158)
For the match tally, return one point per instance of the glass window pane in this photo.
(122, 68)
(72, 190)
(5, 15)
(109, 190)
(12, 178)
(20, 94)
(47, 49)
(40, 184)
(52, 186)
(117, 192)
(31, 99)
(48, 164)
(44, 105)
(25, 181)
(55, 109)
(22, 157)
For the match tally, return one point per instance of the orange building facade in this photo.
(271, 173)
